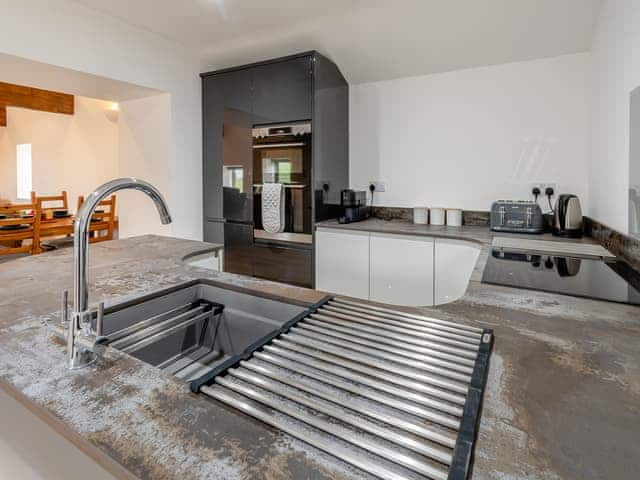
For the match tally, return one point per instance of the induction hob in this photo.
(611, 280)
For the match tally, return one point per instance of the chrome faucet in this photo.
(82, 342)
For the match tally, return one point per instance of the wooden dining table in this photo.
(59, 227)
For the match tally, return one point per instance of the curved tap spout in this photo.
(81, 318)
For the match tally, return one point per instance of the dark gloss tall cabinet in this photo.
(304, 92)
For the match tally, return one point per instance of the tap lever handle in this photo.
(65, 307)
(99, 319)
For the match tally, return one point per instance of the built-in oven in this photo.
(282, 154)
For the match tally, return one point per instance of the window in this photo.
(24, 171)
(276, 170)
(233, 176)
(284, 171)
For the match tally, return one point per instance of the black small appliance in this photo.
(355, 206)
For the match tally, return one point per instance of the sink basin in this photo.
(191, 329)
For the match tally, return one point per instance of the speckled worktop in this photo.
(563, 395)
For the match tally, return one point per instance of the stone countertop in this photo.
(563, 393)
(478, 234)
(562, 398)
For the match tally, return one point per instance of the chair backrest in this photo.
(62, 198)
(10, 233)
(105, 219)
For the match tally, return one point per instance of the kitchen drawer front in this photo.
(401, 269)
(342, 262)
(283, 264)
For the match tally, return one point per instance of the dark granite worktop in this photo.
(562, 399)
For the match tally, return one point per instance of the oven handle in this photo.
(279, 145)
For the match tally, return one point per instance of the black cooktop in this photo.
(613, 281)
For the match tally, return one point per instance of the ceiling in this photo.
(370, 40)
(21, 71)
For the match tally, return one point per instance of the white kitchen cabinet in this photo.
(31, 449)
(210, 260)
(401, 269)
(342, 262)
(396, 269)
(454, 264)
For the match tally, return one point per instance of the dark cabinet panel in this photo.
(237, 166)
(214, 231)
(278, 91)
(282, 91)
(238, 248)
(226, 101)
(283, 264)
(330, 138)
(243, 256)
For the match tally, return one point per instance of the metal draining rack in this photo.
(394, 394)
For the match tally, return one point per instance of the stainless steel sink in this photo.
(189, 330)
(392, 393)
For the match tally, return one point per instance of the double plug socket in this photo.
(544, 189)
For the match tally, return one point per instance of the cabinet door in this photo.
(226, 105)
(342, 262)
(282, 91)
(401, 269)
(238, 249)
(454, 264)
(214, 231)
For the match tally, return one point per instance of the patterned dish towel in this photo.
(273, 207)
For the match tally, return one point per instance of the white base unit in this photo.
(342, 262)
(401, 269)
(210, 260)
(396, 269)
(454, 264)
(31, 449)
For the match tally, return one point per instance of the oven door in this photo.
(288, 163)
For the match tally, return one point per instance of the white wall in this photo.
(144, 132)
(616, 72)
(468, 137)
(69, 35)
(75, 153)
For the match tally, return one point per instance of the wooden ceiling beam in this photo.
(35, 99)
(3, 116)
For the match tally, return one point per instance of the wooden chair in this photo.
(51, 198)
(106, 219)
(14, 238)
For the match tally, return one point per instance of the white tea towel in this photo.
(273, 207)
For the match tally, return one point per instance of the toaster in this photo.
(516, 216)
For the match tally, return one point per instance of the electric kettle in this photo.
(567, 216)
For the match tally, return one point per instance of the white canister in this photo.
(454, 217)
(436, 216)
(421, 215)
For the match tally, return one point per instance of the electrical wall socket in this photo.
(320, 184)
(380, 186)
(543, 186)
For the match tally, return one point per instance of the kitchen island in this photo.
(561, 401)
